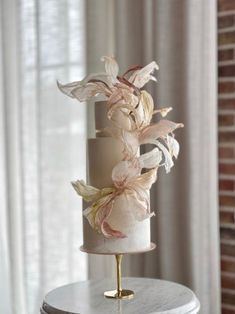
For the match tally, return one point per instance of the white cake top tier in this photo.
(101, 120)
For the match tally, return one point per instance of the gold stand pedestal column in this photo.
(119, 293)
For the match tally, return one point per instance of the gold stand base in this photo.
(123, 294)
(119, 293)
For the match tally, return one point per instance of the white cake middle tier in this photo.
(103, 154)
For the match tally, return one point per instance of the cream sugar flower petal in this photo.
(140, 77)
(129, 98)
(86, 91)
(122, 96)
(102, 76)
(142, 197)
(97, 215)
(111, 67)
(122, 119)
(168, 162)
(92, 76)
(173, 146)
(125, 101)
(109, 232)
(133, 211)
(140, 108)
(121, 85)
(160, 129)
(90, 193)
(66, 88)
(125, 170)
(115, 98)
(163, 111)
(143, 212)
(145, 109)
(104, 207)
(126, 175)
(90, 214)
(145, 180)
(139, 209)
(99, 211)
(130, 142)
(128, 170)
(141, 186)
(151, 159)
(119, 106)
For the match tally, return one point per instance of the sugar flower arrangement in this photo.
(130, 110)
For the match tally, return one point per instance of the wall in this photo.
(226, 112)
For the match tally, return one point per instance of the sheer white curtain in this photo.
(42, 148)
(181, 36)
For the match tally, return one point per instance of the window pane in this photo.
(53, 144)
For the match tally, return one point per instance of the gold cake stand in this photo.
(119, 293)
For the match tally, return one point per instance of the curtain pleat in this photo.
(42, 149)
(12, 151)
(5, 282)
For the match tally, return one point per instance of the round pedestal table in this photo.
(151, 296)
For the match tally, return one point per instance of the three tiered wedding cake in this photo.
(117, 215)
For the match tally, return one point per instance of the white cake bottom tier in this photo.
(137, 240)
(103, 155)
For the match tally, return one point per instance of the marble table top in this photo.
(152, 296)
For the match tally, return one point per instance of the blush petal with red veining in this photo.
(125, 170)
(155, 131)
(111, 67)
(86, 91)
(140, 77)
(108, 232)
